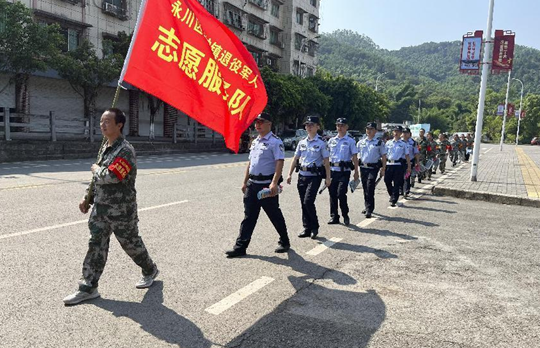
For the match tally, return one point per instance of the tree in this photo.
(25, 46)
(87, 73)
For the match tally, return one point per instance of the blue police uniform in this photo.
(311, 154)
(412, 145)
(342, 151)
(397, 152)
(264, 153)
(370, 153)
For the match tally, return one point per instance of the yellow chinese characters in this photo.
(191, 59)
(164, 44)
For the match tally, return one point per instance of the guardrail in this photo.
(33, 126)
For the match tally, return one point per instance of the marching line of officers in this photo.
(317, 161)
(112, 203)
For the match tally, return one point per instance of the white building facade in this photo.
(281, 34)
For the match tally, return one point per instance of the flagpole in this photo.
(140, 15)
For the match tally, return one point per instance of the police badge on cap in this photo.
(371, 125)
(398, 128)
(341, 120)
(312, 119)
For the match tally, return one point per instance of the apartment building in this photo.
(281, 34)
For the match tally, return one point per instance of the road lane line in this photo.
(73, 223)
(324, 246)
(238, 296)
(365, 223)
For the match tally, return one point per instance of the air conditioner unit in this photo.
(282, 44)
(269, 61)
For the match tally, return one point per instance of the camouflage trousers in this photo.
(442, 164)
(127, 233)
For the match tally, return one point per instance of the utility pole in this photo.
(505, 110)
(377, 81)
(519, 113)
(482, 96)
(419, 109)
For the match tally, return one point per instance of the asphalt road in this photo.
(435, 272)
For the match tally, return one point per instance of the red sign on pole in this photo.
(511, 110)
(503, 51)
(523, 113)
(184, 56)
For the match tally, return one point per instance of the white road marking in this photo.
(322, 247)
(367, 222)
(73, 223)
(488, 151)
(238, 296)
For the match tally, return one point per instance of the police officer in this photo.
(311, 159)
(343, 159)
(114, 210)
(415, 154)
(372, 156)
(397, 155)
(266, 159)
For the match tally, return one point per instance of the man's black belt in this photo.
(401, 161)
(343, 165)
(261, 177)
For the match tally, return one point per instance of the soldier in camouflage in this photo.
(422, 146)
(431, 153)
(114, 210)
(443, 150)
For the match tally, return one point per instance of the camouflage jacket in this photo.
(443, 147)
(422, 146)
(114, 189)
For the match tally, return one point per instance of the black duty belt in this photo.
(400, 161)
(261, 177)
(369, 165)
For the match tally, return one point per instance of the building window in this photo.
(257, 56)
(116, 8)
(71, 39)
(233, 17)
(261, 3)
(256, 28)
(296, 68)
(310, 71)
(300, 16)
(313, 23)
(272, 63)
(210, 6)
(312, 48)
(313, 2)
(298, 41)
(275, 9)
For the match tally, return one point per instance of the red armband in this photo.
(120, 167)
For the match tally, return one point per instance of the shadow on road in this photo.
(158, 320)
(317, 317)
(382, 233)
(407, 221)
(431, 209)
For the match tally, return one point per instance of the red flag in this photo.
(183, 55)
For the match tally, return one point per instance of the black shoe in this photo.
(363, 211)
(390, 200)
(282, 249)
(419, 180)
(368, 215)
(333, 221)
(305, 234)
(412, 184)
(235, 253)
(346, 221)
(314, 234)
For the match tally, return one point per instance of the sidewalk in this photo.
(508, 177)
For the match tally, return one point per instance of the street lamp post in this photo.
(482, 96)
(519, 112)
(377, 81)
(503, 131)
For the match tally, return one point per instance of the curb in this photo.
(487, 197)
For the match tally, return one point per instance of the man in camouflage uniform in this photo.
(114, 210)
(463, 148)
(422, 146)
(469, 146)
(431, 153)
(454, 153)
(444, 148)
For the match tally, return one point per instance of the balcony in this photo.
(234, 17)
(114, 10)
(211, 6)
(260, 3)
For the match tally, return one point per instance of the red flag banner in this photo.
(503, 52)
(183, 55)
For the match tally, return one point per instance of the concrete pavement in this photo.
(435, 272)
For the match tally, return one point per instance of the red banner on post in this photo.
(503, 52)
(183, 55)
(511, 110)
